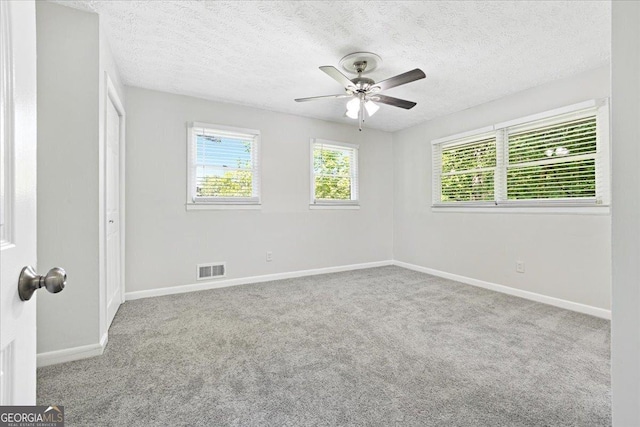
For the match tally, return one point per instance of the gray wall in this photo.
(625, 100)
(72, 58)
(165, 242)
(566, 256)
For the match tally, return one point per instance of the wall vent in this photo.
(213, 270)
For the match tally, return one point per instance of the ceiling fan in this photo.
(363, 90)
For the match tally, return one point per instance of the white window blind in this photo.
(468, 170)
(334, 173)
(554, 158)
(224, 165)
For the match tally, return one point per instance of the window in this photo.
(551, 159)
(224, 165)
(468, 169)
(334, 173)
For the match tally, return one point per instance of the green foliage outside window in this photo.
(332, 171)
(547, 162)
(237, 181)
(567, 178)
(464, 171)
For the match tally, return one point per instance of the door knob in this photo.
(30, 281)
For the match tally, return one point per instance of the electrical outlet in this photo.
(269, 256)
(519, 266)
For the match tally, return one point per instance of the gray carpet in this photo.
(378, 347)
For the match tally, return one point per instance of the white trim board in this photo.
(532, 296)
(72, 354)
(214, 284)
(111, 96)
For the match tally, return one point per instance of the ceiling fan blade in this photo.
(400, 79)
(314, 98)
(335, 74)
(396, 102)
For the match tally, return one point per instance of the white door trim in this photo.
(111, 95)
(18, 140)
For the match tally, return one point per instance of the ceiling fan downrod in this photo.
(362, 84)
(361, 112)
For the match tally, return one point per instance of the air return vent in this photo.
(209, 271)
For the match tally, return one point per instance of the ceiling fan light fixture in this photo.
(353, 108)
(352, 114)
(371, 107)
(353, 105)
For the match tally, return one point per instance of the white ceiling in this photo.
(265, 54)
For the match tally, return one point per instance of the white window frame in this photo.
(204, 203)
(354, 203)
(598, 205)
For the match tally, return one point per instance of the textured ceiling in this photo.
(265, 54)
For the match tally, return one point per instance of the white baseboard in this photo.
(247, 280)
(557, 302)
(83, 352)
(71, 354)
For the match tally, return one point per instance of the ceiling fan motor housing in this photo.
(363, 84)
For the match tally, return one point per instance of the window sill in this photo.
(551, 210)
(333, 206)
(221, 206)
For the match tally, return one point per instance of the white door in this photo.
(113, 233)
(18, 247)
